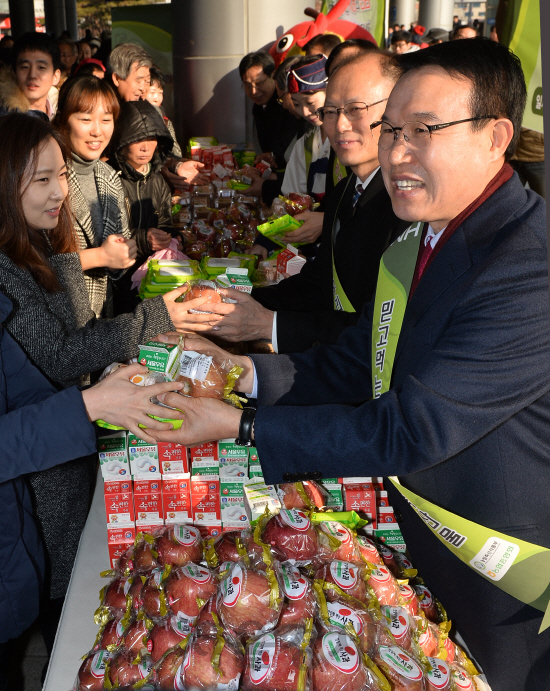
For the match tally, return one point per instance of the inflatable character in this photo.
(292, 42)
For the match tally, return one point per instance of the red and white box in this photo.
(382, 499)
(176, 498)
(209, 529)
(355, 480)
(205, 499)
(378, 483)
(173, 458)
(119, 538)
(361, 497)
(204, 451)
(386, 515)
(119, 501)
(148, 527)
(148, 500)
(289, 263)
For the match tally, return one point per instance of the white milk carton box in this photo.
(233, 459)
(113, 456)
(232, 508)
(144, 457)
(257, 497)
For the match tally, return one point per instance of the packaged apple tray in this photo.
(298, 602)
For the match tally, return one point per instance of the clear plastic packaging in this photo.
(188, 589)
(212, 663)
(384, 585)
(368, 550)
(123, 670)
(400, 667)
(249, 600)
(339, 666)
(178, 544)
(166, 635)
(336, 541)
(343, 577)
(291, 535)
(300, 602)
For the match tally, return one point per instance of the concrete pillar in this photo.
(54, 11)
(402, 12)
(209, 39)
(71, 19)
(21, 17)
(436, 14)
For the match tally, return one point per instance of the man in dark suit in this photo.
(303, 310)
(275, 126)
(465, 422)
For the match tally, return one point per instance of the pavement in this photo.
(26, 659)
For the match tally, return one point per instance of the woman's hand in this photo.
(311, 228)
(268, 158)
(158, 239)
(190, 171)
(116, 252)
(178, 311)
(119, 402)
(257, 249)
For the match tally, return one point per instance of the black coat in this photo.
(147, 196)
(275, 127)
(304, 303)
(465, 423)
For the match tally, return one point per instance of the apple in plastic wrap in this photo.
(135, 593)
(271, 664)
(170, 672)
(92, 671)
(165, 636)
(384, 585)
(178, 545)
(185, 585)
(291, 536)
(300, 602)
(135, 636)
(123, 670)
(112, 634)
(331, 532)
(427, 603)
(150, 596)
(399, 666)
(205, 625)
(244, 601)
(115, 596)
(337, 665)
(341, 613)
(201, 674)
(347, 576)
(290, 497)
(213, 384)
(368, 550)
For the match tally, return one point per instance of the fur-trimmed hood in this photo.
(11, 96)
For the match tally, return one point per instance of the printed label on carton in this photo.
(207, 450)
(232, 506)
(119, 507)
(113, 456)
(148, 507)
(390, 535)
(121, 533)
(207, 467)
(255, 471)
(236, 279)
(144, 457)
(360, 497)
(209, 528)
(173, 458)
(160, 357)
(234, 467)
(117, 486)
(335, 499)
(258, 496)
(205, 498)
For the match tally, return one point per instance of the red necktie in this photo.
(423, 258)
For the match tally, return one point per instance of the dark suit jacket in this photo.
(275, 127)
(304, 303)
(466, 423)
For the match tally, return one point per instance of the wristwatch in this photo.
(246, 427)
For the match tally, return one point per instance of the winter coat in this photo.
(41, 428)
(148, 196)
(115, 221)
(12, 99)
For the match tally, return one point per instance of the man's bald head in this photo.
(362, 80)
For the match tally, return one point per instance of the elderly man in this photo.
(316, 305)
(462, 409)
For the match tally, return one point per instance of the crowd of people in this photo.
(379, 138)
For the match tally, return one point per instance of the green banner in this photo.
(522, 35)
(392, 293)
(369, 14)
(520, 568)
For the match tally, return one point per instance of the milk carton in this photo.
(236, 279)
(113, 456)
(232, 508)
(233, 459)
(119, 537)
(259, 496)
(173, 458)
(176, 498)
(205, 498)
(144, 457)
(207, 450)
(119, 501)
(148, 500)
(207, 467)
(161, 357)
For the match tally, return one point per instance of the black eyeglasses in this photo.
(417, 134)
(352, 111)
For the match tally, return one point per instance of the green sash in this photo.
(520, 568)
(341, 302)
(339, 171)
(308, 150)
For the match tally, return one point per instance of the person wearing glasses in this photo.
(274, 126)
(464, 410)
(330, 292)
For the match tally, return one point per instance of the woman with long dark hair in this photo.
(41, 273)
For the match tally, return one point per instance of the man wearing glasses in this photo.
(458, 337)
(275, 127)
(329, 293)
